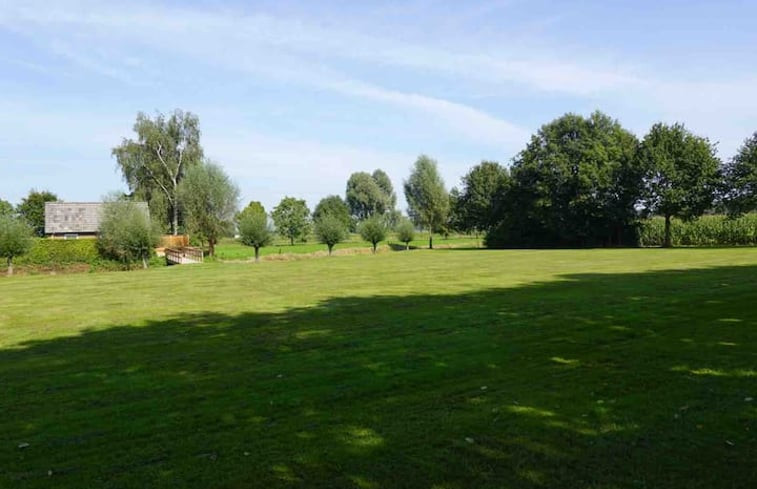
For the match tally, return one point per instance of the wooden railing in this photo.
(184, 255)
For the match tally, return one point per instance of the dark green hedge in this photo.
(60, 252)
(714, 230)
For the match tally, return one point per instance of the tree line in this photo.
(580, 181)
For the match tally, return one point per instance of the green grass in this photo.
(231, 249)
(431, 369)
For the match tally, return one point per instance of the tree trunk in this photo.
(430, 241)
(407, 245)
(144, 263)
(374, 248)
(10, 266)
(211, 247)
(291, 240)
(667, 243)
(330, 248)
(175, 219)
(257, 254)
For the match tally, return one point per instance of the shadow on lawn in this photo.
(637, 380)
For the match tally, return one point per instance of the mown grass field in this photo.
(421, 369)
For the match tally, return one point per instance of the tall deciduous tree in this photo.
(209, 199)
(254, 229)
(330, 230)
(292, 218)
(333, 205)
(575, 184)
(741, 179)
(15, 239)
(6, 208)
(154, 164)
(479, 202)
(369, 195)
(32, 209)
(682, 173)
(427, 199)
(126, 233)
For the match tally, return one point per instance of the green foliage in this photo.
(32, 209)
(209, 199)
(333, 205)
(254, 229)
(427, 199)
(15, 239)
(741, 179)
(681, 173)
(575, 184)
(405, 232)
(330, 229)
(253, 208)
(155, 163)
(292, 218)
(61, 252)
(479, 205)
(126, 233)
(369, 195)
(373, 230)
(709, 230)
(6, 208)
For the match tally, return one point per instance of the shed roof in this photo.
(75, 217)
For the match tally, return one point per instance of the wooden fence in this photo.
(183, 256)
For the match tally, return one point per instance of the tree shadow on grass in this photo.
(602, 381)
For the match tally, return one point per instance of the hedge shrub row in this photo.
(60, 252)
(713, 230)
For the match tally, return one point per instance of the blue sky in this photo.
(294, 96)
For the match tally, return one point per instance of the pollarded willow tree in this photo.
(427, 199)
(209, 200)
(154, 164)
(126, 232)
(373, 230)
(15, 239)
(254, 230)
(682, 173)
(330, 230)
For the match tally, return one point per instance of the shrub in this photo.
(711, 230)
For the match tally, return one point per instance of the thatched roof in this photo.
(75, 217)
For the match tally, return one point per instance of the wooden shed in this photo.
(73, 220)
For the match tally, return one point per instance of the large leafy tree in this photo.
(292, 218)
(427, 199)
(682, 173)
(15, 239)
(575, 184)
(741, 179)
(479, 202)
(154, 164)
(209, 199)
(6, 208)
(126, 233)
(368, 195)
(333, 205)
(32, 209)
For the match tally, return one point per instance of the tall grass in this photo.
(713, 230)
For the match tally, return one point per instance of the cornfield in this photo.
(711, 230)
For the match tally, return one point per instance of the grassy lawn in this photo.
(430, 369)
(231, 249)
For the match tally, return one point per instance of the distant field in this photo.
(232, 249)
(462, 369)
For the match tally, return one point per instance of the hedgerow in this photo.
(710, 230)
